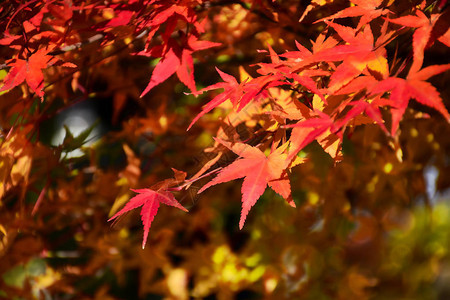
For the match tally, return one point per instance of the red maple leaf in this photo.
(176, 59)
(371, 109)
(367, 9)
(309, 130)
(358, 55)
(366, 58)
(176, 54)
(149, 200)
(233, 91)
(445, 38)
(278, 70)
(259, 171)
(414, 86)
(121, 18)
(421, 36)
(29, 70)
(167, 14)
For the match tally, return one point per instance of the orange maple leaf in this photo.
(233, 91)
(259, 171)
(366, 9)
(414, 86)
(29, 70)
(421, 36)
(366, 57)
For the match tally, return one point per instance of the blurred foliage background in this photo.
(374, 226)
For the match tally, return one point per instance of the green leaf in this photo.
(71, 143)
(15, 277)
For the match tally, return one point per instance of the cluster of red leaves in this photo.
(351, 79)
(175, 54)
(171, 30)
(343, 81)
(157, 20)
(351, 76)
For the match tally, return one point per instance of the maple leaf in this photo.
(163, 70)
(310, 130)
(149, 200)
(176, 55)
(311, 6)
(421, 36)
(366, 9)
(445, 38)
(259, 171)
(286, 106)
(370, 108)
(29, 70)
(358, 55)
(301, 54)
(414, 86)
(277, 70)
(122, 18)
(169, 12)
(357, 85)
(233, 91)
(186, 70)
(365, 57)
(176, 59)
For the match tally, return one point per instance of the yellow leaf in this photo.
(21, 169)
(118, 203)
(177, 281)
(317, 103)
(243, 74)
(298, 161)
(379, 64)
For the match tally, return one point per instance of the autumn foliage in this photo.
(338, 107)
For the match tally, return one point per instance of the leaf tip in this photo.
(201, 190)
(292, 203)
(242, 221)
(144, 240)
(112, 218)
